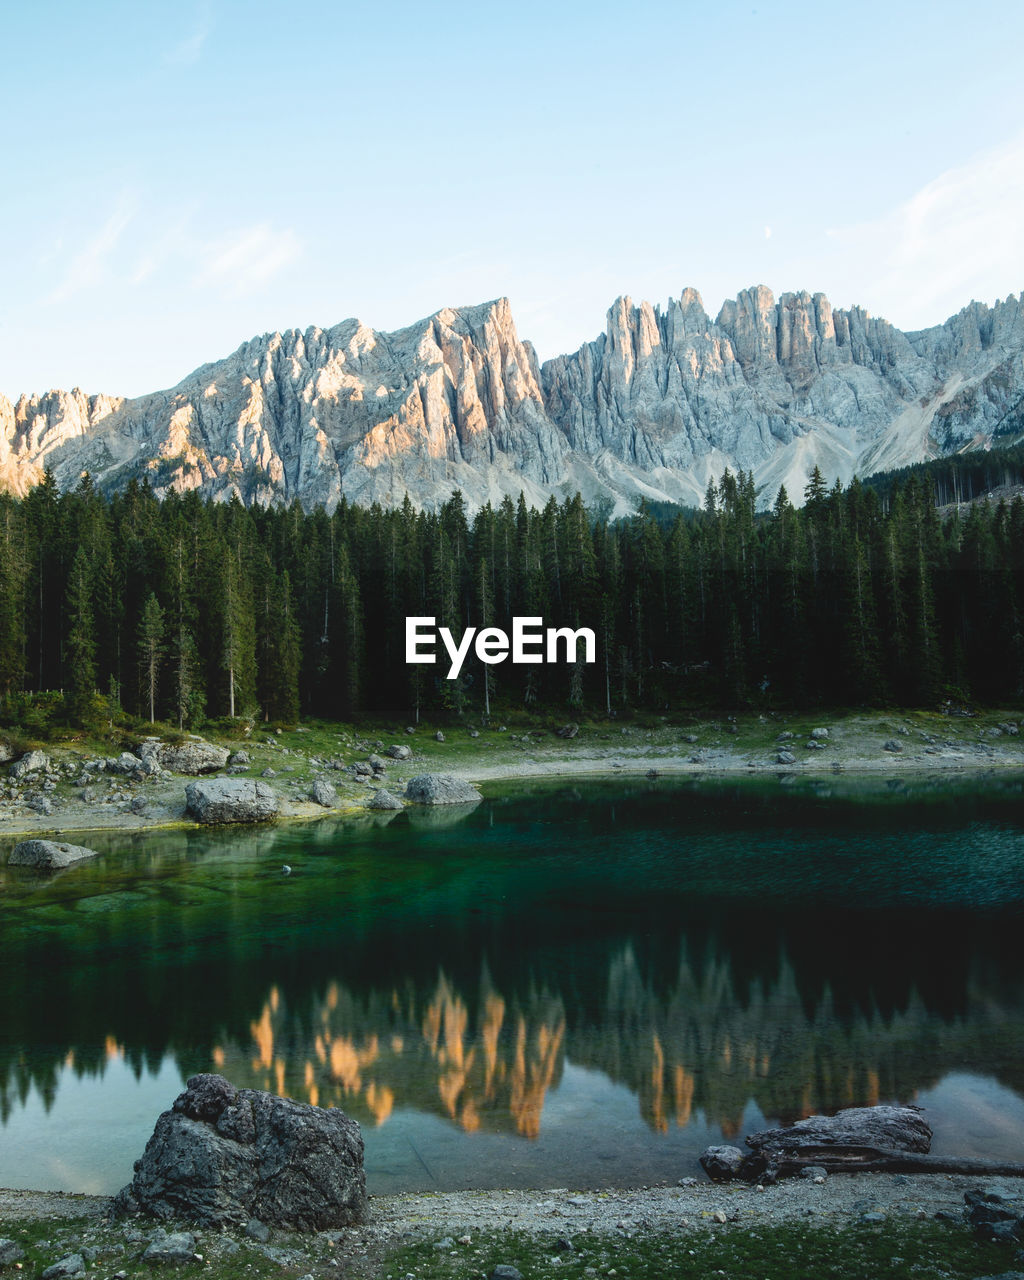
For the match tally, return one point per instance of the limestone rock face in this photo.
(658, 405)
(231, 800)
(224, 1156)
(48, 855)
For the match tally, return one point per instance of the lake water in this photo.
(575, 984)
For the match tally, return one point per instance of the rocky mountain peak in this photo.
(657, 405)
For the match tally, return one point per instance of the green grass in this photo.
(915, 1250)
(919, 1250)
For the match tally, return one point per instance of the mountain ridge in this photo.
(656, 406)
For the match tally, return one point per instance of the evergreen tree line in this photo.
(183, 610)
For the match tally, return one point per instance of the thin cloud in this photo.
(249, 257)
(91, 264)
(956, 238)
(188, 51)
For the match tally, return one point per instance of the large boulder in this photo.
(440, 788)
(222, 1156)
(231, 800)
(48, 854)
(194, 757)
(30, 762)
(398, 752)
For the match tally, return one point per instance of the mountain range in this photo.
(657, 406)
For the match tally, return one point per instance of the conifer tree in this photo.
(151, 649)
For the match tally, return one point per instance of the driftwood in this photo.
(884, 1139)
(837, 1159)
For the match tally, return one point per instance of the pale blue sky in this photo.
(180, 177)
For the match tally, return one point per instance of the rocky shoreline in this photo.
(312, 774)
(453, 1221)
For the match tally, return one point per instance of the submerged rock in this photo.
(48, 854)
(440, 788)
(231, 800)
(225, 1156)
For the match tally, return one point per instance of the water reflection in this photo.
(710, 954)
(488, 1062)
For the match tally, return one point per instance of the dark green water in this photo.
(569, 985)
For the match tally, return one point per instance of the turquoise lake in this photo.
(572, 984)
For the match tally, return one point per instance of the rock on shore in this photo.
(224, 1155)
(440, 788)
(231, 800)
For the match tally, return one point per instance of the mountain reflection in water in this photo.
(719, 952)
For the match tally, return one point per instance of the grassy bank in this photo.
(912, 1249)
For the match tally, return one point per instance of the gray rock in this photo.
(231, 800)
(224, 1156)
(439, 736)
(48, 854)
(503, 1271)
(893, 746)
(257, 1230)
(41, 804)
(124, 763)
(398, 752)
(376, 763)
(894, 1128)
(170, 1249)
(71, 1265)
(722, 1163)
(193, 757)
(384, 800)
(813, 1171)
(362, 768)
(819, 733)
(785, 757)
(269, 773)
(324, 794)
(10, 1250)
(239, 757)
(568, 730)
(440, 788)
(31, 762)
(6, 751)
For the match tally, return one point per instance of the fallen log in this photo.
(883, 1139)
(868, 1160)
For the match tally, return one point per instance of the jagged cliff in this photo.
(658, 405)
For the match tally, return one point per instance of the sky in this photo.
(182, 177)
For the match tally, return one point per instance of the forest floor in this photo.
(889, 745)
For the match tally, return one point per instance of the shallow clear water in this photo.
(568, 985)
